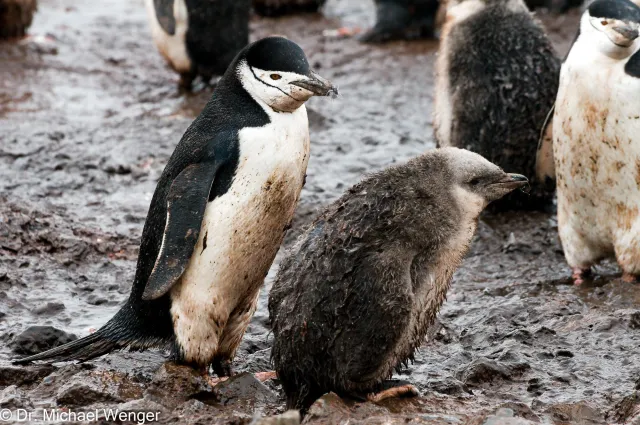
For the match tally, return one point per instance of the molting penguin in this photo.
(284, 7)
(496, 80)
(356, 295)
(218, 214)
(403, 19)
(199, 37)
(16, 17)
(596, 130)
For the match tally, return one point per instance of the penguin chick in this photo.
(285, 7)
(496, 81)
(595, 139)
(16, 17)
(403, 19)
(354, 298)
(218, 215)
(199, 37)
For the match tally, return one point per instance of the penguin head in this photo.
(611, 26)
(477, 181)
(275, 71)
(460, 10)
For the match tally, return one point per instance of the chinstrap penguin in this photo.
(16, 17)
(218, 215)
(285, 7)
(355, 296)
(596, 141)
(496, 80)
(199, 37)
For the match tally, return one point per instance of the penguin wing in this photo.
(633, 65)
(164, 15)
(186, 203)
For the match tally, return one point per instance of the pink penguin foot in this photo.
(629, 278)
(579, 274)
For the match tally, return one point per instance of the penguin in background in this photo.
(274, 8)
(496, 80)
(403, 19)
(199, 37)
(16, 17)
(596, 141)
(218, 215)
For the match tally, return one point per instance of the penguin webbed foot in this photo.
(222, 368)
(629, 278)
(579, 274)
(393, 389)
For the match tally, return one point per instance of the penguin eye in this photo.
(474, 182)
(275, 76)
(604, 23)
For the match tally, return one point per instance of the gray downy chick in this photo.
(355, 297)
(496, 81)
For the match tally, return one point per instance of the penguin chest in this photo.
(241, 233)
(596, 147)
(169, 21)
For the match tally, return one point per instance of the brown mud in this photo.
(89, 115)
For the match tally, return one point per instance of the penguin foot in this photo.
(629, 278)
(186, 81)
(579, 274)
(222, 367)
(260, 376)
(401, 391)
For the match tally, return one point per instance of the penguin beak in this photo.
(627, 32)
(317, 85)
(512, 181)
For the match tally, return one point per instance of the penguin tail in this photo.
(83, 349)
(122, 331)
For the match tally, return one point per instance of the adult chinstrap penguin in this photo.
(354, 298)
(199, 37)
(596, 142)
(496, 80)
(218, 215)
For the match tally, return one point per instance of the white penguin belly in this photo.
(241, 233)
(172, 47)
(597, 153)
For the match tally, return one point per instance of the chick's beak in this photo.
(512, 181)
(317, 85)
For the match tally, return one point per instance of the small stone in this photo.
(329, 407)
(49, 309)
(37, 339)
(172, 380)
(290, 417)
(14, 375)
(482, 370)
(244, 387)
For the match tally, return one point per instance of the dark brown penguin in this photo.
(356, 295)
(16, 17)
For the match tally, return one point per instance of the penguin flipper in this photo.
(186, 203)
(633, 65)
(545, 166)
(164, 15)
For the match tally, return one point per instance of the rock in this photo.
(290, 417)
(12, 398)
(49, 309)
(36, 339)
(89, 387)
(482, 370)
(243, 388)
(449, 386)
(576, 413)
(14, 375)
(505, 416)
(329, 409)
(176, 382)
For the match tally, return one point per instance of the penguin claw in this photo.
(579, 274)
(629, 278)
(395, 392)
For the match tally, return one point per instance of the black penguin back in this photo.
(504, 77)
(217, 31)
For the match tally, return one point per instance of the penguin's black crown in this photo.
(622, 10)
(277, 54)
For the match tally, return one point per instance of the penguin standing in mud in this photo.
(354, 298)
(496, 81)
(199, 37)
(218, 215)
(596, 141)
(16, 17)
(285, 7)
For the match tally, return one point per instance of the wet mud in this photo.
(89, 115)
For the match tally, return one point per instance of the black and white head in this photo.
(478, 181)
(275, 71)
(611, 27)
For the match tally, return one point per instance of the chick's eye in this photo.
(474, 182)
(275, 76)
(604, 23)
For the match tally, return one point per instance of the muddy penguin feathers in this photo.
(355, 296)
(16, 17)
(230, 186)
(496, 80)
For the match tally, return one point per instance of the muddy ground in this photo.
(88, 118)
